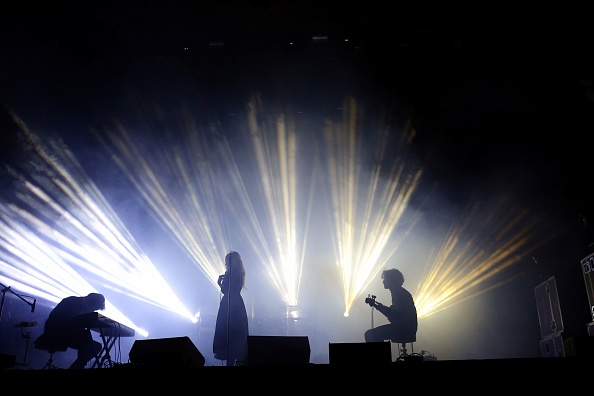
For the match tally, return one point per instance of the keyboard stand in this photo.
(103, 358)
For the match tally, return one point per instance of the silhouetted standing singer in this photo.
(402, 313)
(231, 328)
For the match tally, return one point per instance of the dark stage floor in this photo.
(464, 376)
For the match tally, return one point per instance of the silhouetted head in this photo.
(234, 264)
(392, 277)
(95, 301)
(232, 258)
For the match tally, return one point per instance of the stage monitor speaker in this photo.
(277, 350)
(358, 353)
(166, 352)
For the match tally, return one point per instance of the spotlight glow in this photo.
(366, 205)
(476, 250)
(60, 236)
(211, 203)
(212, 193)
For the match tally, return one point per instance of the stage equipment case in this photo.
(550, 318)
(588, 271)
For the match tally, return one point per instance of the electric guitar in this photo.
(371, 301)
(385, 310)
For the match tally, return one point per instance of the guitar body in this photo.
(371, 301)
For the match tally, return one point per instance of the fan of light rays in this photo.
(285, 193)
(76, 231)
(179, 180)
(367, 202)
(483, 245)
(51, 278)
(197, 189)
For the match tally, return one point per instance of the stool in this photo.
(402, 346)
(50, 362)
(43, 344)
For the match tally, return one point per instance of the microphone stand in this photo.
(27, 337)
(6, 289)
(230, 271)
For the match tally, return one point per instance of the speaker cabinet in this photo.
(277, 350)
(358, 353)
(166, 352)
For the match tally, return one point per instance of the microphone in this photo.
(33, 306)
(25, 324)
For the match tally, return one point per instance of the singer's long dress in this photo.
(231, 320)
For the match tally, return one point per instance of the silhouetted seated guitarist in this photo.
(402, 313)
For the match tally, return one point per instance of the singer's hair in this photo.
(233, 262)
(96, 300)
(393, 276)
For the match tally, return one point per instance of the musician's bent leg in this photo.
(370, 335)
(88, 348)
(378, 334)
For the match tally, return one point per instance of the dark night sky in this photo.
(499, 100)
